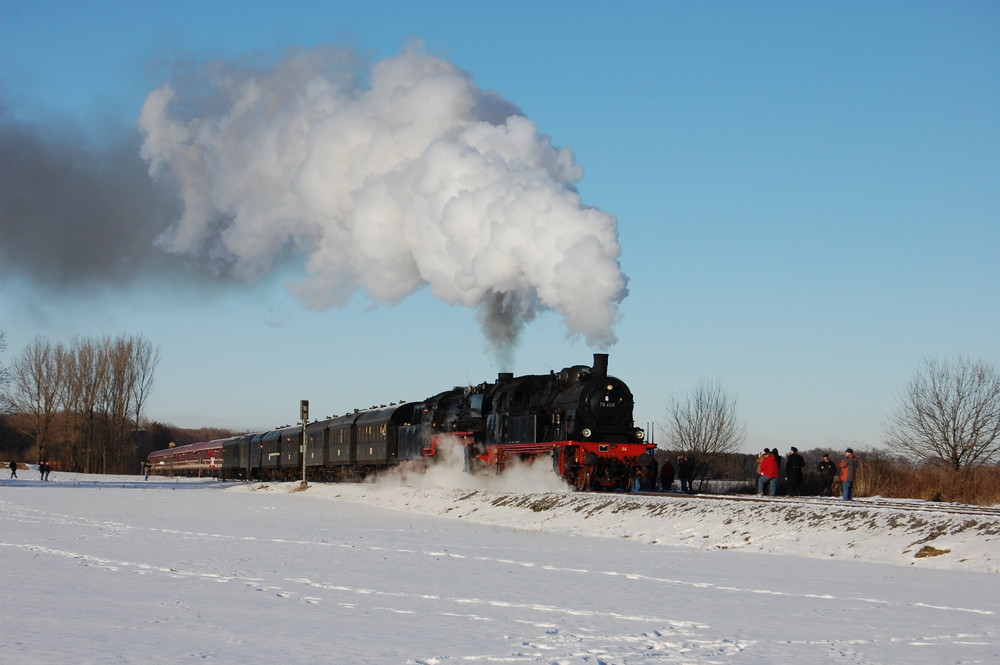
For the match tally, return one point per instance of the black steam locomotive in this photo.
(579, 420)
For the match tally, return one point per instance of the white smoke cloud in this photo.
(447, 471)
(387, 179)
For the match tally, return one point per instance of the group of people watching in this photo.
(682, 470)
(770, 468)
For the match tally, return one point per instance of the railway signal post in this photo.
(304, 413)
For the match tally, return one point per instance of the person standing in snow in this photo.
(667, 476)
(650, 473)
(848, 472)
(827, 472)
(770, 470)
(13, 469)
(684, 473)
(794, 464)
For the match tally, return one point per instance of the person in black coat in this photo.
(684, 473)
(827, 472)
(667, 476)
(794, 464)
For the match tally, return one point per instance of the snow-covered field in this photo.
(99, 569)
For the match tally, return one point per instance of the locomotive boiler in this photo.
(579, 420)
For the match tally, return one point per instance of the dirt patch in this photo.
(927, 550)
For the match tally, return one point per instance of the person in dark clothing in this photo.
(684, 473)
(794, 464)
(13, 469)
(827, 472)
(667, 476)
(651, 473)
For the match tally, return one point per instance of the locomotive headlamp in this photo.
(639, 434)
(586, 432)
(609, 387)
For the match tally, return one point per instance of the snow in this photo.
(433, 570)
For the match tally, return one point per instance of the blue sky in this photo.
(806, 200)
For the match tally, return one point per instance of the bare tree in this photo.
(4, 380)
(949, 414)
(705, 425)
(35, 386)
(145, 358)
(130, 362)
(116, 402)
(86, 381)
(4, 372)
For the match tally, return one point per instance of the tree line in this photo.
(81, 403)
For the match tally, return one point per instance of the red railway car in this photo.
(195, 460)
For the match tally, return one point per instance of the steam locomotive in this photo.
(579, 420)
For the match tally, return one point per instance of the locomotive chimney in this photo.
(600, 365)
(504, 376)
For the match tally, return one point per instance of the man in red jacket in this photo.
(848, 470)
(770, 469)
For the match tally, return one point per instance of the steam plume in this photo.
(448, 471)
(76, 214)
(387, 179)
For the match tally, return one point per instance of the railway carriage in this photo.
(236, 458)
(195, 459)
(377, 434)
(290, 446)
(317, 444)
